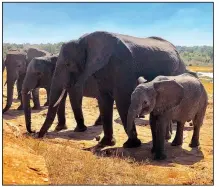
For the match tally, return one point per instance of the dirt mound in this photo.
(21, 165)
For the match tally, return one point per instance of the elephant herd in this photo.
(107, 66)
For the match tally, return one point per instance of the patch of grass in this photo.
(200, 68)
(208, 86)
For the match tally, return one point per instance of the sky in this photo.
(187, 24)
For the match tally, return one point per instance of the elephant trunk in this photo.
(27, 110)
(30, 82)
(10, 89)
(57, 91)
(132, 114)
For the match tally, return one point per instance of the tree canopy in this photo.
(195, 55)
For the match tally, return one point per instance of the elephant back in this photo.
(34, 52)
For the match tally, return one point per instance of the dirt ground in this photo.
(68, 157)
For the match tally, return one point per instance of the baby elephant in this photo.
(169, 98)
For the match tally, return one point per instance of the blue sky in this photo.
(181, 23)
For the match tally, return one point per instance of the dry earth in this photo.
(72, 158)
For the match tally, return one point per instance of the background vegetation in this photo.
(195, 55)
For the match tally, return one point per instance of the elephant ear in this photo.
(169, 95)
(107, 47)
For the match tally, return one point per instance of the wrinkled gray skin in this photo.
(39, 75)
(3, 65)
(168, 133)
(116, 61)
(16, 64)
(169, 98)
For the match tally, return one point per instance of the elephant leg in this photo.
(161, 124)
(61, 115)
(106, 112)
(152, 120)
(122, 104)
(99, 119)
(36, 99)
(75, 97)
(19, 88)
(197, 122)
(168, 131)
(178, 140)
(47, 99)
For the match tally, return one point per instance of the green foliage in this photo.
(196, 55)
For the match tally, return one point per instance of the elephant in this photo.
(169, 98)
(110, 57)
(3, 65)
(141, 80)
(116, 61)
(16, 64)
(39, 75)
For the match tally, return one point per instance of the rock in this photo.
(23, 167)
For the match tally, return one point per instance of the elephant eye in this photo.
(145, 103)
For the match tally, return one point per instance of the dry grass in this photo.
(201, 68)
(72, 158)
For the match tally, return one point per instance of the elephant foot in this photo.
(30, 131)
(194, 144)
(60, 127)
(131, 143)
(107, 141)
(20, 107)
(97, 123)
(160, 156)
(168, 136)
(80, 128)
(40, 134)
(176, 142)
(46, 103)
(37, 108)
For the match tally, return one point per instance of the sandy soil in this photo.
(68, 157)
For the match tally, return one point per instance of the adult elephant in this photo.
(39, 75)
(116, 61)
(16, 64)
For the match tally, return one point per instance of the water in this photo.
(205, 74)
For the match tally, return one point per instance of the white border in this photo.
(216, 68)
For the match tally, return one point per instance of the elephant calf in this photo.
(169, 98)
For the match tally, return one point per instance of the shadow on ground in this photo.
(138, 121)
(89, 134)
(14, 113)
(143, 154)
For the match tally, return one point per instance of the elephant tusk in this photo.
(60, 98)
(29, 92)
